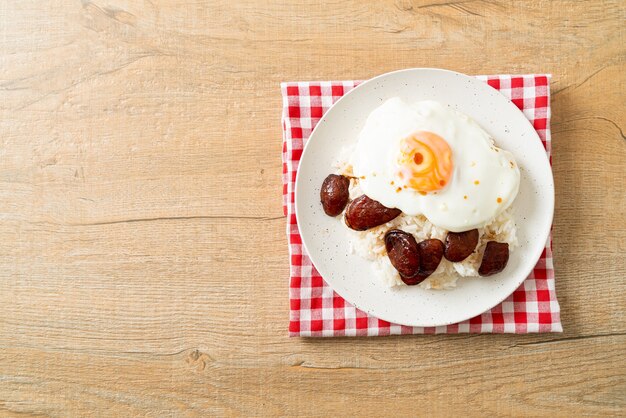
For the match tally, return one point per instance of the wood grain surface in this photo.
(143, 260)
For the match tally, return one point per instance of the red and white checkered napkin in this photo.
(317, 311)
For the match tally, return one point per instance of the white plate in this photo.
(326, 239)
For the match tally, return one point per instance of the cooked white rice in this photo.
(370, 244)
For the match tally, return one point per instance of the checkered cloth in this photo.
(317, 311)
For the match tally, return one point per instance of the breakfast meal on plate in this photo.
(426, 195)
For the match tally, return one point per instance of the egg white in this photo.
(484, 182)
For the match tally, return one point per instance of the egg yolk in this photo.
(425, 161)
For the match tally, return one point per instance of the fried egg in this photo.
(425, 158)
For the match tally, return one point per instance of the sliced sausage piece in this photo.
(459, 245)
(364, 213)
(494, 259)
(431, 253)
(335, 194)
(404, 255)
(412, 281)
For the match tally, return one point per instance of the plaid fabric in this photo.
(317, 311)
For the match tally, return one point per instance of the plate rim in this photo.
(544, 235)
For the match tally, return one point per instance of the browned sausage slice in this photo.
(431, 253)
(459, 245)
(364, 213)
(495, 258)
(404, 255)
(335, 194)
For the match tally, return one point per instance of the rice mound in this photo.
(371, 246)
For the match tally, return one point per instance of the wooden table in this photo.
(143, 260)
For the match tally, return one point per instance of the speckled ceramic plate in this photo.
(326, 238)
